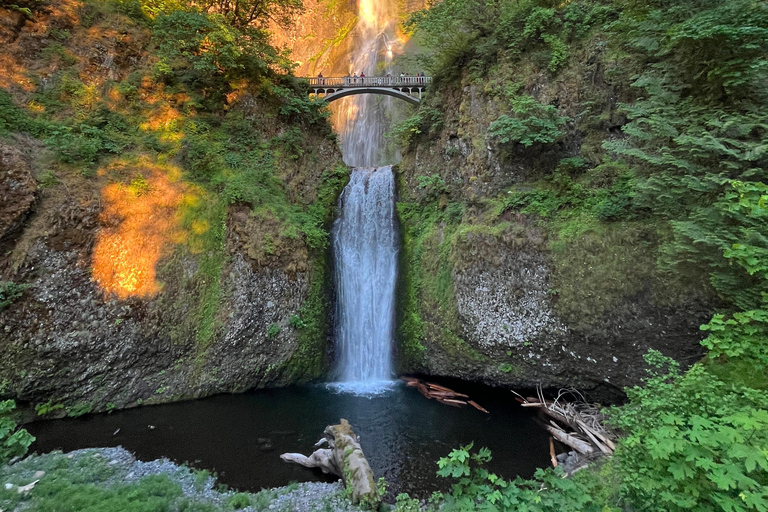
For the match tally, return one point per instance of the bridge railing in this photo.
(371, 81)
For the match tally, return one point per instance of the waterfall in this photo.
(365, 239)
(361, 121)
(365, 245)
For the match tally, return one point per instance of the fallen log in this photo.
(446, 394)
(454, 403)
(438, 387)
(345, 459)
(423, 389)
(477, 406)
(608, 443)
(552, 455)
(570, 440)
(442, 394)
(558, 416)
(321, 459)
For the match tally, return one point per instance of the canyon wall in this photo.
(497, 286)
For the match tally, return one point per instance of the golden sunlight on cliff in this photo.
(140, 225)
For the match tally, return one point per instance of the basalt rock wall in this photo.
(125, 277)
(499, 294)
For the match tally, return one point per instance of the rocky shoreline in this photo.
(114, 473)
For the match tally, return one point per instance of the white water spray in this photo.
(365, 246)
(365, 239)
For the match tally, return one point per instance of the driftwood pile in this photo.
(578, 425)
(442, 394)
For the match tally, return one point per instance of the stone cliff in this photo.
(153, 271)
(501, 282)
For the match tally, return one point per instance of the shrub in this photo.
(530, 123)
(273, 330)
(693, 442)
(14, 442)
(478, 489)
(10, 292)
(426, 119)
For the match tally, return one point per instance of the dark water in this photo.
(242, 436)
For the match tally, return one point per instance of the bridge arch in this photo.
(336, 94)
(406, 88)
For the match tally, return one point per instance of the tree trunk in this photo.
(344, 458)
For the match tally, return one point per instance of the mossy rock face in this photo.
(490, 309)
(182, 259)
(491, 291)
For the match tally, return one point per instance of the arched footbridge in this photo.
(408, 88)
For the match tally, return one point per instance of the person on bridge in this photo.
(354, 79)
(320, 80)
(362, 78)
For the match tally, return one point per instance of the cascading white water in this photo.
(361, 121)
(365, 240)
(365, 245)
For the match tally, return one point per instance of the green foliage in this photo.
(56, 51)
(697, 139)
(47, 408)
(727, 239)
(742, 336)
(244, 13)
(239, 501)
(14, 442)
(79, 409)
(426, 120)
(273, 330)
(207, 50)
(433, 186)
(478, 489)
(530, 123)
(10, 292)
(79, 484)
(693, 442)
(472, 34)
(296, 322)
(707, 46)
(404, 503)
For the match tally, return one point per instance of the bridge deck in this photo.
(370, 81)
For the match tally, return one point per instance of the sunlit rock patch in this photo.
(140, 223)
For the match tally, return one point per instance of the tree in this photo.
(243, 13)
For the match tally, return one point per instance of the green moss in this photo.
(427, 311)
(273, 330)
(211, 244)
(88, 482)
(79, 409)
(309, 360)
(740, 370)
(597, 266)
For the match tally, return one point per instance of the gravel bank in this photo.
(113, 467)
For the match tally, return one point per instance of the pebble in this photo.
(39, 474)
